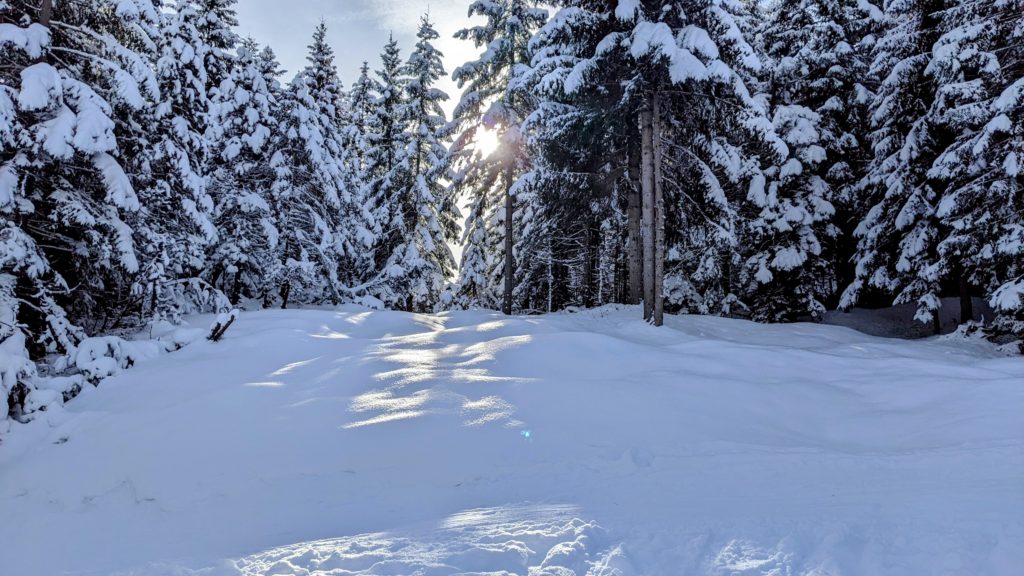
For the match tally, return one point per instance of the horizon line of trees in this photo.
(703, 156)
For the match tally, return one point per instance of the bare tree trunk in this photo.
(966, 304)
(647, 204)
(218, 269)
(936, 323)
(45, 12)
(506, 306)
(286, 290)
(45, 15)
(551, 276)
(659, 220)
(589, 269)
(236, 287)
(633, 226)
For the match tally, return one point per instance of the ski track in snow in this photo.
(344, 442)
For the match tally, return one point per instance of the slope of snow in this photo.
(340, 442)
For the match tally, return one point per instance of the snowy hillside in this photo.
(363, 442)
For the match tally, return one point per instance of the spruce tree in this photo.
(900, 234)
(73, 98)
(387, 176)
(492, 100)
(688, 74)
(978, 67)
(819, 53)
(243, 120)
(309, 194)
(425, 218)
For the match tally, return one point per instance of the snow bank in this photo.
(356, 441)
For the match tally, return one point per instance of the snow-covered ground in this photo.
(361, 442)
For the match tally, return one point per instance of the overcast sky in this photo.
(357, 30)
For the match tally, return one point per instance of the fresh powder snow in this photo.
(356, 441)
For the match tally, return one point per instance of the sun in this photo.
(486, 141)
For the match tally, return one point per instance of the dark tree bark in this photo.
(659, 219)
(506, 305)
(647, 204)
(236, 286)
(634, 291)
(285, 291)
(966, 303)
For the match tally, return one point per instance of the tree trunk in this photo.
(218, 269)
(936, 323)
(659, 220)
(551, 277)
(45, 15)
(506, 306)
(647, 204)
(286, 289)
(236, 286)
(587, 297)
(633, 225)
(966, 304)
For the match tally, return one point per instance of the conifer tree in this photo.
(900, 234)
(176, 230)
(978, 66)
(386, 174)
(492, 100)
(309, 195)
(73, 95)
(424, 216)
(685, 68)
(359, 118)
(240, 176)
(819, 53)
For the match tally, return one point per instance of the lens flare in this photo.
(487, 141)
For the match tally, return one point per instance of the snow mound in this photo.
(538, 539)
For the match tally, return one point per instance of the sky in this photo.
(357, 30)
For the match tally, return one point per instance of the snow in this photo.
(657, 38)
(355, 441)
(8, 186)
(626, 10)
(31, 40)
(120, 192)
(40, 85)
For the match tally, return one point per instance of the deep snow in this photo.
(366, 442)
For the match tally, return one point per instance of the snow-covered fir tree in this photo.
(688, 72)
(978, 67)
(787, 273)
(308, 195)
(386, 175)
(74, 90)
(359, 117)
(583, 182)
(424, 216)
(492, 99)
(243, 120)
(176, 230)
(216, 27)
(819, 53)
(899, 236)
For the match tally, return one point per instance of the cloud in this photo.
(404, 15)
